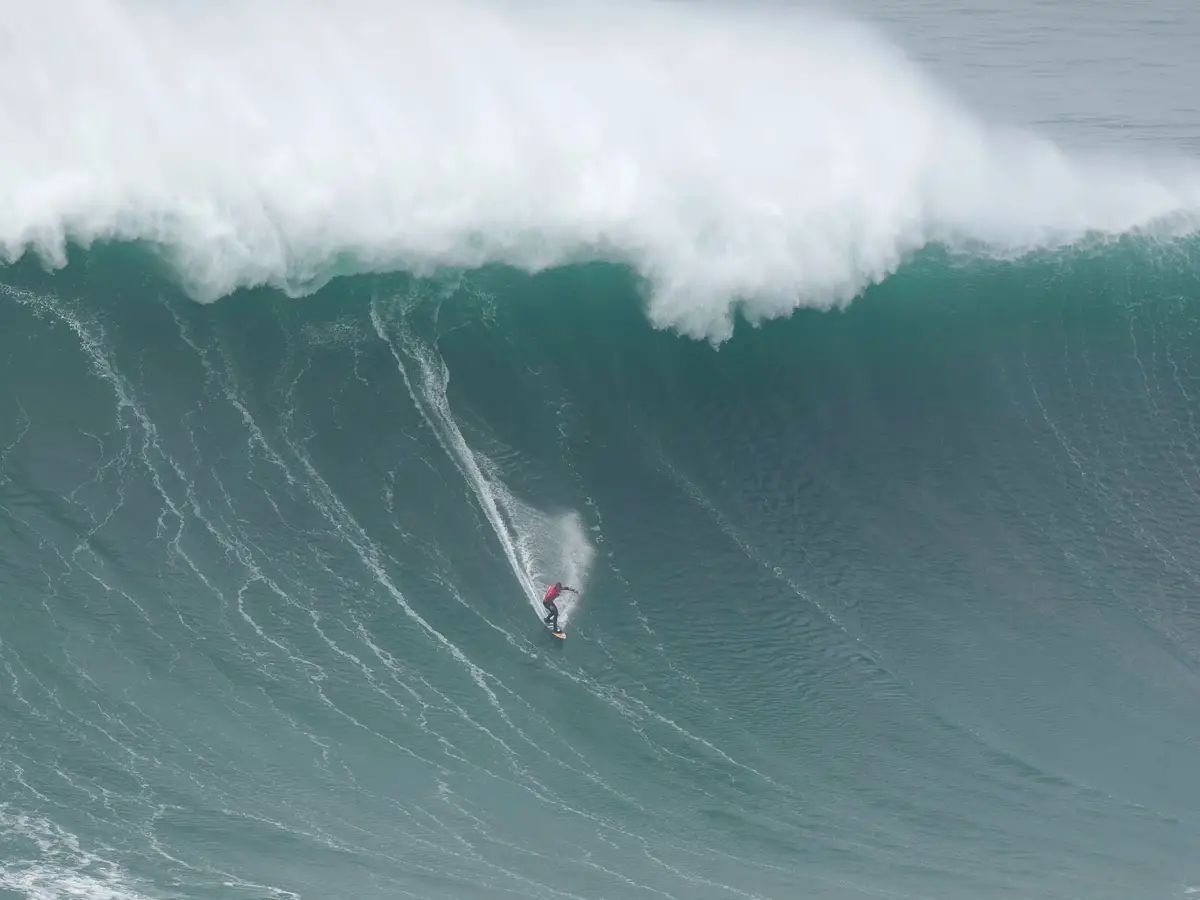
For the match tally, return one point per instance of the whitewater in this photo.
(745, 157)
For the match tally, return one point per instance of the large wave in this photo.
(892, 602)
(737, 159)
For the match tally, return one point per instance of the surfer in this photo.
(548, 601)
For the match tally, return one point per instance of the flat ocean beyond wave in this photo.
(868, 432)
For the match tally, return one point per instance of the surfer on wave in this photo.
(552, 594)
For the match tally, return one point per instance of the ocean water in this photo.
(846, 361)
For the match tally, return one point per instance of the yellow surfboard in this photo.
(559, 634)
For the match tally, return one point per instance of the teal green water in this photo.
(896, 600)
(876, 462)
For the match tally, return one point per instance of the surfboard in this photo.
(559, 634)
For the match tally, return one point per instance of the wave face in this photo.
(897, 600)
(330, 341)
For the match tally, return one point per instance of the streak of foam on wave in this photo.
(540, 547)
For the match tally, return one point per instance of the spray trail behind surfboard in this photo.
(540, 548)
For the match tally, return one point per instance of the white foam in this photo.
(774, 155)
(61, 868)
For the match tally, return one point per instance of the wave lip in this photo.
(752, 159)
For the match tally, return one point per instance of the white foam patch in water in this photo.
(62, 867)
